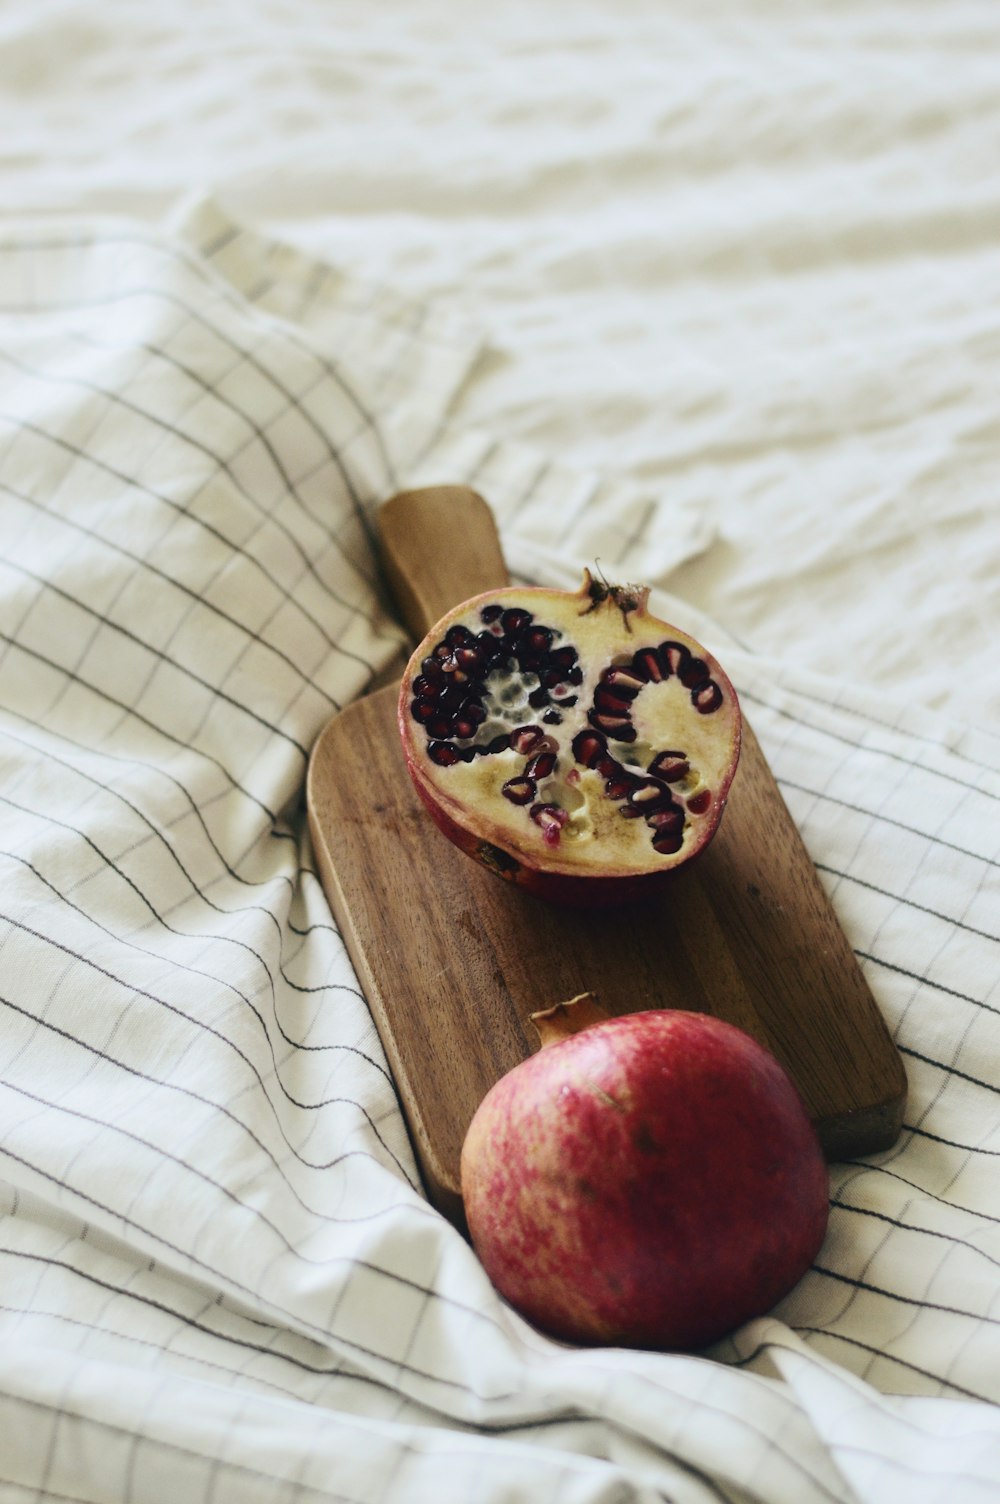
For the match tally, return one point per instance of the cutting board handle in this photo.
(439, 546)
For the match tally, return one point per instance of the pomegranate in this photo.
(569, 740)
(650, 1180)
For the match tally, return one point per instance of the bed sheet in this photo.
(708, 298)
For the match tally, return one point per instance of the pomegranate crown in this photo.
(627, 599)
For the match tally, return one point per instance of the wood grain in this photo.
(453, 960)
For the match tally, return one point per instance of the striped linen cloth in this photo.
(219, 1278)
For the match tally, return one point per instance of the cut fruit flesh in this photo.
(573, 734)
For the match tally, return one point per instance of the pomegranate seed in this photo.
(648, 796)
(425, 688)
(475, 711)
(667, 841)
(444, 754)
(526, 739)
(422, 711)
(432, 671)
(608, 767)
(674, 655)
(519, 790)
(667, 819)
(552, 717)
(545, 813)
(515, 620)
(648, 665)
(623, 681)
(589, 747)
(490, 613)
(464, 729)
(707, 697)
(459, 637)
(629, 813)
(539, 639)
(499, 743)
(552, 819)
(453, 669)
(617, 727)
(620, 786)
(700, 802)
(541, 766)
(693, 673)
(669, 766)
(564, 657)
(609, 703)
(439, 726)
(469, 659)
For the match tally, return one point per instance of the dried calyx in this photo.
(570, 740)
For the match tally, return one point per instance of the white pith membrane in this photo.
(581, 814)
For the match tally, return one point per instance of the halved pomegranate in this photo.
(569, 740)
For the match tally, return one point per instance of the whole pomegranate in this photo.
(569, 740)
(650, 1180)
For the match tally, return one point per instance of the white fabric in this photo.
(710, 298)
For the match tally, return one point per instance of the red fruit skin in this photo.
(652, 1181)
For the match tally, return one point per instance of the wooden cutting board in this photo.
(453, 960)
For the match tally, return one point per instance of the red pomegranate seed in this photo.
(700, 802)
(707, 697)
(515, 620)
(464, 728)
(519, 790)
(456, 675)
(623, 681)
(617, 727)
(610, 703)
(432, 670)
(667, 819)
(667, 841)
(648, 796)
(526, 739)
(669, 766)
(621, 785)
(588, 748)
(444, 754)
(552, 819)
(693, 673)
(674, 656)
(649, 666)
(541, 766)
